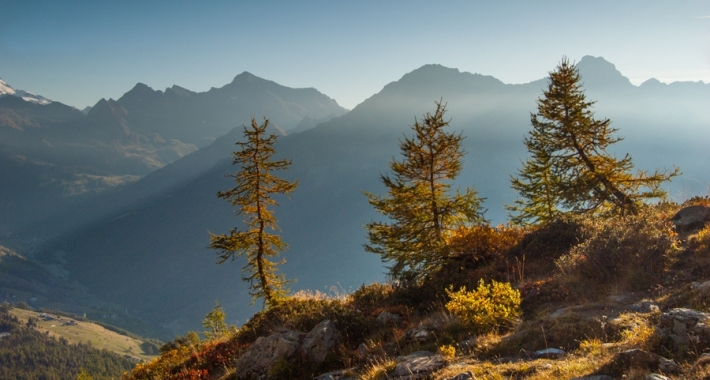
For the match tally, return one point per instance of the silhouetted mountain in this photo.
(65, 153)
(150, 255)
(599, 74)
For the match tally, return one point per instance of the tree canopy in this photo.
(570, 168)
(421, 211)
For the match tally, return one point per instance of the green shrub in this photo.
(487, 308)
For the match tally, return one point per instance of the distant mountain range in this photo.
(55, 151)
(142, 245)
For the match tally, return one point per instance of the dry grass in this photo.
(378, 369)
(534, 370)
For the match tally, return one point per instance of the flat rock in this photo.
(418, 363)
(550, 353)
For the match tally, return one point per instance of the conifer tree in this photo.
(421, 210)
(214, 323)
(570, 168)
(255, 187)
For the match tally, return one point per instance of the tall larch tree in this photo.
(570, 168)
(253, 197)
(422, 213)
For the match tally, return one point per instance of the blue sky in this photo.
(78, 52)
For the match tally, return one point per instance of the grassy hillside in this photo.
(88, 333)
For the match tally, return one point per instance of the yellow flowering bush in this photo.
(487, 308)
(447, 351)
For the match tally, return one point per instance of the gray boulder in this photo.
(685, 325)
(691, 218)
(640, 359)
(263, 353)
(388, 319)
(323, 339)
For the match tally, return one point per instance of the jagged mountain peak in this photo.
(109, 107)
(598, 72)
(138, 93)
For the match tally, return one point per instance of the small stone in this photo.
(645, 307)
(655, 376)
(550, 353)
(362, 350)
(419, 334)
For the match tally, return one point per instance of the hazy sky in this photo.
(78, 52)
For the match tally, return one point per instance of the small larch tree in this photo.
(570, 169)
(422, 213)
(253, 195)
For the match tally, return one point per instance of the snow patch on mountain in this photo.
(6, 89)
